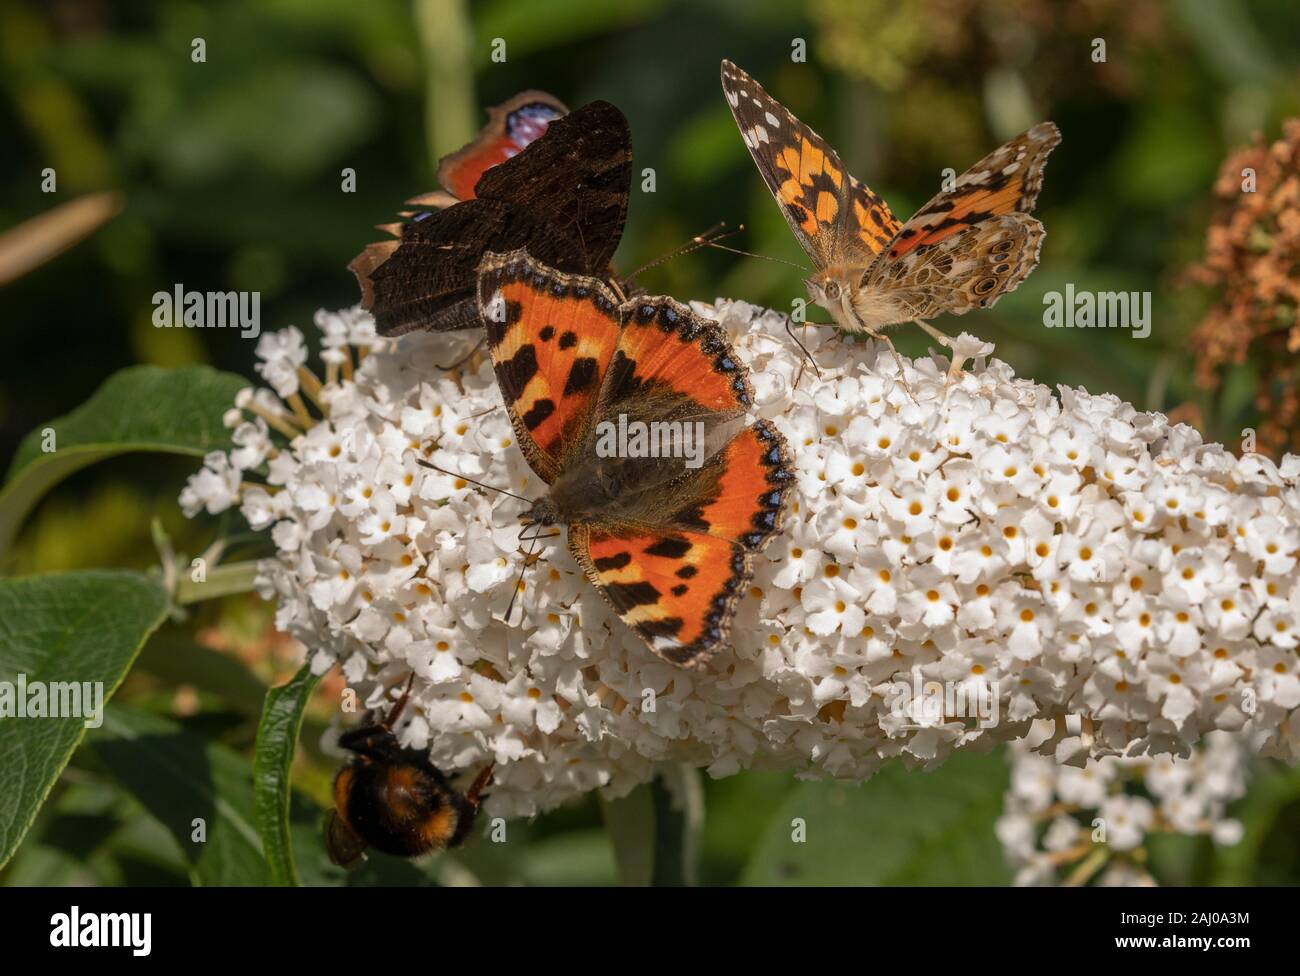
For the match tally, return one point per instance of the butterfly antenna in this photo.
(751, 254)
(808, 357)
(709, 238)
(504, 491)
(510, 608)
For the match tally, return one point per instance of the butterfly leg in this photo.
(463, 360)
(954, 366)
(935, 334)
(902, 375)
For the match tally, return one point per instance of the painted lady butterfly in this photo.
(563, 197)
(669, 543)
(964, 249)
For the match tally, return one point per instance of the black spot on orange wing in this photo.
(670, 548)
(616, 561)
(514, 374)
(628, 596)
(665, 348)
(641, 574)
(582, 376)
(540, 411)
(549, 387)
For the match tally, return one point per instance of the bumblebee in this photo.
(394, 800)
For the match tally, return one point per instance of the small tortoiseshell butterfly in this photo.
(669, 543)
(964, 249)
(563, 197)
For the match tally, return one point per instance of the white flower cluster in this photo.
(960, 558)
(1063, 824)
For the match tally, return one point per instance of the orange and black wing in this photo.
(551, 336)
(676, 551)
(671, 360)
(1006, 181)
(836, 219)
(676, 583)
(677, 590)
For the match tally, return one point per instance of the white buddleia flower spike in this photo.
(1069, 825)
(961, 556)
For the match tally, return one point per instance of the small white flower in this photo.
(214, 488)
(281, 354)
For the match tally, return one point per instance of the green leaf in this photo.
(277, 738)
(901, 827)
(143, 408)
(739, 809)
(63, 627)
(191, 785)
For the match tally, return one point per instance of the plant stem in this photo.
(679, 814)
(221, 581)
(446, 41)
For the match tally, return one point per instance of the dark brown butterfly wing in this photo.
(564, 199)
(576, 179)
(512, 126)
(428, 281)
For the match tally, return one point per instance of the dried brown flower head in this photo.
(1252, 253)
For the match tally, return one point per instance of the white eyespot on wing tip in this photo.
(772, 120)
(734, 98)
(760, 134)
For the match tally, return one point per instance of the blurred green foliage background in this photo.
(230, 175)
